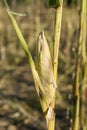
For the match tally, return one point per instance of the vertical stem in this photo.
(84, 63)
(57, 31)
(83, 26)
(81, 53)
(51, 125)
(76, 91)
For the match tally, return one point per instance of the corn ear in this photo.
(44, 68)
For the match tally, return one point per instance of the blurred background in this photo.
(19, 104)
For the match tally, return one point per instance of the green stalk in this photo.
(84, 63)
(57, 32)
(83, 27)
(81, 53)
(76, 85)
(51, 125)
(76, 92)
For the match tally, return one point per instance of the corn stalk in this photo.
(57, 31)
(81, 71)
(84, 63)
(76, 86)
(57, 5)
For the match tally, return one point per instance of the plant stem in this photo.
(76, 91)
(76, 86)
(84, 63)
(83, 28)
(57, 31)
(51, 125)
